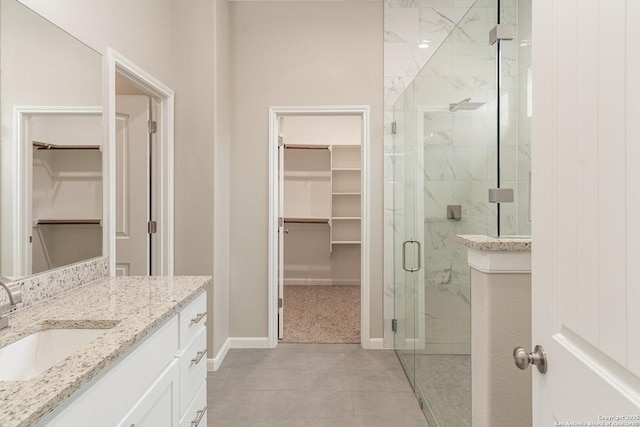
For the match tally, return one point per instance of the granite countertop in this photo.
(489, 243)
(130, 306)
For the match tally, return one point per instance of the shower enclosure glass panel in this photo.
(513, 156)
(409, 227)
(461, 129)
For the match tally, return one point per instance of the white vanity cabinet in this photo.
(159, 382)
(192, 358)
(158, 407)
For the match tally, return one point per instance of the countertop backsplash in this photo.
(45, 285)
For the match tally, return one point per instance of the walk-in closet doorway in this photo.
(319, 290)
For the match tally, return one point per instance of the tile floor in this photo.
(312, 385)
(444, 381)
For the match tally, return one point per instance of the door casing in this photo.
(163, 253)
(365, 254)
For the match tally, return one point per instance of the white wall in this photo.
(202, 152)
(141, 30)
(294, 54)
(194, 134)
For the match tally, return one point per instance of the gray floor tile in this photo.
(266, 379)
(316, 348)
(310, 404)
(367, 360)
(370, 379)
(215, 379)
(392, 404)
(309, 361)
(312, 385)
(337, 379)
(257, 422)
(231, 403)
(364, 421)
(246, 359)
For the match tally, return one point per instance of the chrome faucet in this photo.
(15, 296)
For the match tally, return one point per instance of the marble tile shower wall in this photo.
(459, 167)
(459, 156)
(406, 24)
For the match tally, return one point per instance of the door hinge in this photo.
(394, 128)
(152, 227)
(152, 126)
(30, 239)
(280, 140)
(279, 302)
(394, 325)
(501, 32)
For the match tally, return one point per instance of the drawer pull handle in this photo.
(199, 416)
(199, 356)
(198, 318)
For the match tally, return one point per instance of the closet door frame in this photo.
(163, 246)
(274, 196)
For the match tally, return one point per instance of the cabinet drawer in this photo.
(193, 369)
(192, 318)
(195, 411)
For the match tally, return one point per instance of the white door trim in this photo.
(365, 253)
(118, 64)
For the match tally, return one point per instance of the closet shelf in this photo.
(307, 175)
(349, 218)
(345, 169)
(37, 145)
(345, 242)
(67, 222)
(305, 147)
(306, 220)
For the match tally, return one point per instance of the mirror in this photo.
(50, 145)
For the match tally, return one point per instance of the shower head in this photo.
(465, 104)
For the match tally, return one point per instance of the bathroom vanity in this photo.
(138, 356)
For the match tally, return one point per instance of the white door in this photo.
(132, 185)
(586, 211)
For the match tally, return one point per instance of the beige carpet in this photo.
(321, 314)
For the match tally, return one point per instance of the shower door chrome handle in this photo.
(404, 256)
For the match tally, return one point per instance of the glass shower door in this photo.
(409, 206)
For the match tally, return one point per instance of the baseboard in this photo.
(214, 364)
(248, 342)
(376, 344)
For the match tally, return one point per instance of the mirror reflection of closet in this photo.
(66, 186)
(51, 84)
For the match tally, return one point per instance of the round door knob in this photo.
(523, 359)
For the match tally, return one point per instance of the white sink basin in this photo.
(35, 353)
